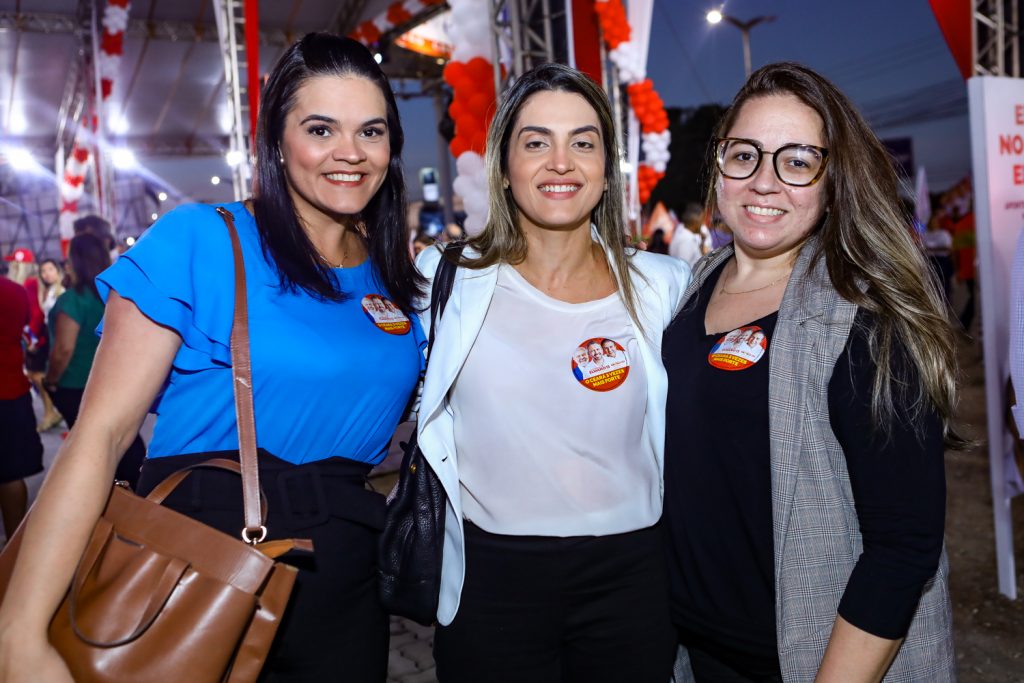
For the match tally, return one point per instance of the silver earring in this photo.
(504, 183)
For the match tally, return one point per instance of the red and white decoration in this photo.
(645, 102)
(398, 13)
(471, 75)
(115, 21)
(108, 61)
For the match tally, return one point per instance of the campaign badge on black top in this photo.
(600, 364)
(739, 349)
(385, 315)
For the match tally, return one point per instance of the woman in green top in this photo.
(72, 323)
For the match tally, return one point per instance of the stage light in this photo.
(215, 180)
(119, 126)
(130, 240)
(18, 122)
(378, 57)
(152, 217)
(162, 196)
(714, 17)
(19, 158)
(233, 157)
(122, 158)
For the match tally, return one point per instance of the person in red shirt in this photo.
(964, 254)
(21, 451)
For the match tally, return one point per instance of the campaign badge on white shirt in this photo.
(385, 315)
(600, 364)
(740, 349)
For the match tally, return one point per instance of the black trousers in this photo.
(560, 610)
(710, 668)
(335, 628)
(68, 401)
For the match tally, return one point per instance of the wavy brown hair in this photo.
(870, 251)
(502, 241)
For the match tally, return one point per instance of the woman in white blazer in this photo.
(552, 462)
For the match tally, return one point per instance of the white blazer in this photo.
(659, 293)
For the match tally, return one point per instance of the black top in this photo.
(718, 507)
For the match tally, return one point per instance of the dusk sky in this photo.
(889, 56)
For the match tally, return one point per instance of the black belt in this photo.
(304, 495)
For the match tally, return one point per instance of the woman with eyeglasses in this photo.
(806, 528)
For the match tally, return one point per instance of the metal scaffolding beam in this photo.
(523, 36)
(173, 31)
(995, 29)
(230, 15)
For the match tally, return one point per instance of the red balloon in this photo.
(453, 72)
(456, 109)
(479, 103)
(481, 72)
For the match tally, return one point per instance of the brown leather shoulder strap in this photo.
(241, 373)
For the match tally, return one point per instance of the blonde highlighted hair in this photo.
(502, 241)
(867, 242)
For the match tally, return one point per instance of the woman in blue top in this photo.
(325, 245)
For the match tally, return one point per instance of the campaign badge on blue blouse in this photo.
(600, 364)
(739, 349)
(385, 315)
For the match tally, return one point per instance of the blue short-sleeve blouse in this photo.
(329, 378)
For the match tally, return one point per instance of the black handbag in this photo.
(409, 555)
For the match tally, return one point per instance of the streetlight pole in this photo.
(717, 16)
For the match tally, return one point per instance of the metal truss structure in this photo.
(29, 214)
(995, 27)
(230, 16)
(523, 34)
(173, 31)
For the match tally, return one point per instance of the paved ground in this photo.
(411, 659)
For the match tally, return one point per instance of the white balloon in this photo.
(474, 225)
(469, 164)
(469, 29)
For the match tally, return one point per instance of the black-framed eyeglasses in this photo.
(795, 164)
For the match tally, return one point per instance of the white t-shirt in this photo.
(686, 245)
(549, 418)
(937, 241)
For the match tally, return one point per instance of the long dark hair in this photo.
(281, 234)
(868, 247)
(89, 257)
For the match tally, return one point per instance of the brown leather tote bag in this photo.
(158, 596)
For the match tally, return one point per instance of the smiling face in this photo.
(335, 147)
(556, 162)
(596, 354)
(581, 356)
(767, 217)
(609, 348)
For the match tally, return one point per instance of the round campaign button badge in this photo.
(385, 315)
(739, 349)
(600, 364)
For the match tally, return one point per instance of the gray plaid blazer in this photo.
(817, 536)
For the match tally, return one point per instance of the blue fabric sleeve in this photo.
(181, 276)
